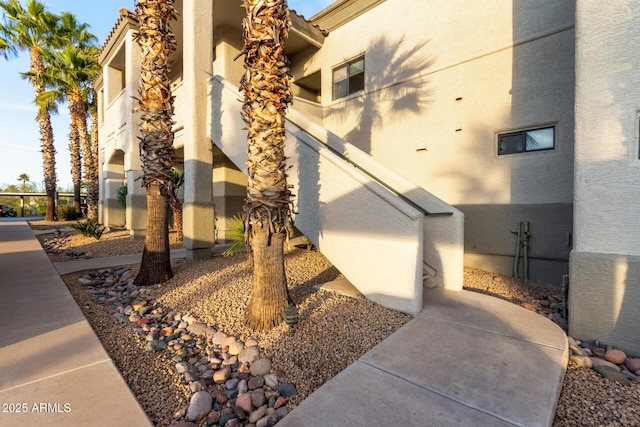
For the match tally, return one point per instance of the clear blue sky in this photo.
(19, 135)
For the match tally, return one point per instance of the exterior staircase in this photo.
(389, 237)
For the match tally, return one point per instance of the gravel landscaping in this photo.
(334, 331)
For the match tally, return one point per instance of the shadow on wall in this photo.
(393, 90)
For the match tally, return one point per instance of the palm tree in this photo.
(33, 29)
(68, 73)
(156, 42)
(267, 207)
(24, 178)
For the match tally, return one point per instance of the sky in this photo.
(19, 132)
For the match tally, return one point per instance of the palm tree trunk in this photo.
(156, 43)
(267, 207)
(156, 256)
(46, 139)
(76, 165)
(79, 118)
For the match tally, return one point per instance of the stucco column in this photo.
(198, 213)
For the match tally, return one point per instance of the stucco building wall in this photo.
(605, 263)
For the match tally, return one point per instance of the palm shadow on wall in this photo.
(390, 95)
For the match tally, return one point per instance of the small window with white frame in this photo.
(527, 140)
(348, 78)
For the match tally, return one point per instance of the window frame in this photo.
(349, 90)
(523, 143)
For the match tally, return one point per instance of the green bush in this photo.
(68, 213)
(236, 234)
(122, 196)
(90, 228)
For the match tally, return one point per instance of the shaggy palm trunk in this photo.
(79, 119)
(156, 43)
(76, 165)
(95, 151)
(267, 207)
(46, 139)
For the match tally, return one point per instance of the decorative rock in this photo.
(184, 424)
(243, 387)
(249, 355)
(244, 401)
(260, 367)
(601, 362)
(633, 364)
(615, 356)
(166, 331)
(271, 380)
(258, 397)
(182, 367)
(222, 375)
(581, 361)
(137, 305)
(597, 351)
(268, 421)
(577, 350)
(281, 412)
(225, 418)
(218, 338)
(197, 328)
(196, 386)
(232, 384)
(287, 390)
(235, 348)
(199, 406)
(256, 382)
(233, 422)
(257, 414)
(280, 401)
(611, 374)
(156, 345)
(251, 343)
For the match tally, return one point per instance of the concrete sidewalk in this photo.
(466, 360)
(53, 369)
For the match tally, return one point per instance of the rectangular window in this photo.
(526, 140)
(348, 78)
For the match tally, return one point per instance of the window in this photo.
(348, 78)
(526, 140)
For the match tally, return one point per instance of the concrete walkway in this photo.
(466, 360)
(53, 369)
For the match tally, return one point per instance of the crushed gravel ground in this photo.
(334, 331)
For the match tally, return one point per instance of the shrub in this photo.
(122, 196)
(89, 228)
(68, 213)
(236, 234)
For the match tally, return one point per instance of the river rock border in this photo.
(607, 361)
(231, 384)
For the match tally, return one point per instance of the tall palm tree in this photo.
(267, 207)
(156, 42)
(24, 178)
(33, 29)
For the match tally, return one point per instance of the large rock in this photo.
(611, 374)
(260, 367)
(601, 362)
(633, 364)
(249, 354)
(581, 361)
(615, 356)
(199, 406)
